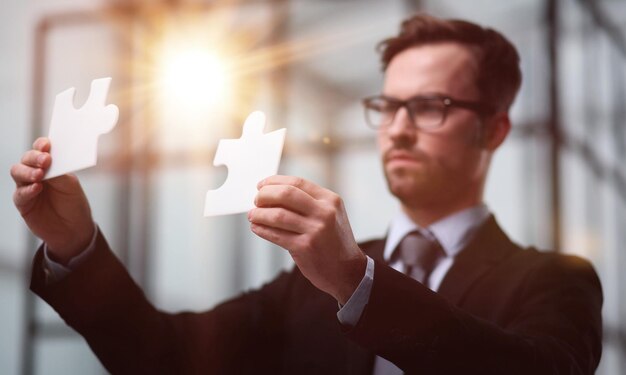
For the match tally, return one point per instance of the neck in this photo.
(425, 216)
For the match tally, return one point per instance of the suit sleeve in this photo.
(556, 328)
(102, 303)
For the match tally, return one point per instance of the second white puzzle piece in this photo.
(249, 159)
(74, 132)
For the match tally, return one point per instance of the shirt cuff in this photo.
(350, 313)
(56, 271)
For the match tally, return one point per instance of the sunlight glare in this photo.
(193, 80)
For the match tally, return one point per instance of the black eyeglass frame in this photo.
(481, 108)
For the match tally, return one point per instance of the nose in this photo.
(402, 129)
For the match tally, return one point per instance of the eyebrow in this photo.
(429, 94)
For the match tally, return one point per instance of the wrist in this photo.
(351, 277)
(61, 255)
(64, 252)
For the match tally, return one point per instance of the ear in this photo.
(496, 129)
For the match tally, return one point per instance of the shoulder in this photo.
(546, 269)
(537, 260)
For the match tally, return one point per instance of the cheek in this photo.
(456, 153)
(461, 136)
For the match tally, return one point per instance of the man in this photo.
(345, 309)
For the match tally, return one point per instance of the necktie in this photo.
(420, 255)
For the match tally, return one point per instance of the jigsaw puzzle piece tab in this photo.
(249, 159)
(74, 132)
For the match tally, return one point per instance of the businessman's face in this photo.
(443, 168)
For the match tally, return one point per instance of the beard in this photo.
(415, 187)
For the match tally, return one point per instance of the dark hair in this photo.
(499, 76)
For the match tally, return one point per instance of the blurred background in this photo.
(186, 73)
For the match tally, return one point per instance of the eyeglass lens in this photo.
(425, 113)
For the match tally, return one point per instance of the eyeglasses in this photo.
(426, 112)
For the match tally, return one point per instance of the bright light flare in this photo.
(194, 94)
(193, 81)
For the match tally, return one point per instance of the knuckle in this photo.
(26, 156)
(328, 213)
(259, 199)
(318, 229)
(264, 197)
(336, 200)
(20, 196)
(288, 193)
(306, 244)
(259, 230)
(272, 236)
(14, 170)
(253, 216)
(40, 143)
(297, 182)
(19, 173)
(278, 216)
(30, 157)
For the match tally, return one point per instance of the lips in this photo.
(401, 156)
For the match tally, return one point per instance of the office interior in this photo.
(186, 73)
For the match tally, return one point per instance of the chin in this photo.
(413, 188)
(405, 186)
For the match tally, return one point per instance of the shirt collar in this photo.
(453, 232)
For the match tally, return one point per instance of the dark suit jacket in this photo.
(500, 310)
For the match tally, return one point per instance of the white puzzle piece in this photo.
(74, 132)
(249, 159)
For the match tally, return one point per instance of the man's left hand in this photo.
(311, 223)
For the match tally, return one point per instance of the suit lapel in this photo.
(489, 247)
(374, 249)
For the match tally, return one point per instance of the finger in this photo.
(42, 144)
(24, 195)
(276, 236)
(308, 187)
(286, 196)
(25, 175)
(35, 158)
(279, 218)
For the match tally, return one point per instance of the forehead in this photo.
(444, 68)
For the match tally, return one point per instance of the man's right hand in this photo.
(55, 210)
